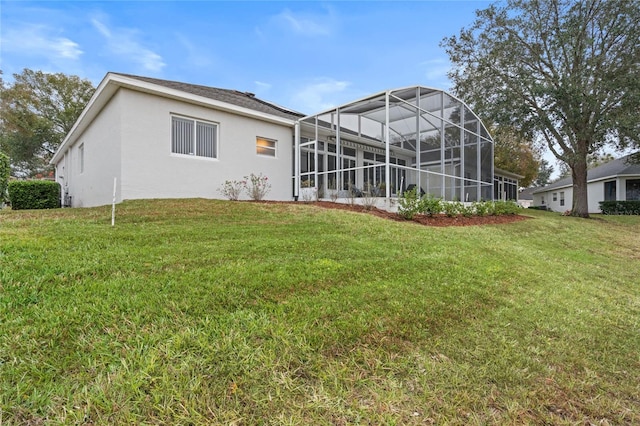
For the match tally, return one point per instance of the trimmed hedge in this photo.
(620, 207)
(34, 194)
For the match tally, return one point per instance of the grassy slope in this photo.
(215, 312)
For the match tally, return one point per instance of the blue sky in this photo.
(303, 55)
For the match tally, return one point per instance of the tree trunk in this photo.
(580, 205)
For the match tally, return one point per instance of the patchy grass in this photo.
(206, 312)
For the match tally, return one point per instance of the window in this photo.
(562, 198)
(610, 191)
(266, 147)
(192, 137)
(555, 196)
(633, 189)
(81, 157)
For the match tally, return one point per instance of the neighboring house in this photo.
(165, 139)
(616, 180)
(525, 197)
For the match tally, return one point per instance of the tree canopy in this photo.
(37, 111)
(514, 153)
(562, 72)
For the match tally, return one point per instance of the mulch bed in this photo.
(437, 220)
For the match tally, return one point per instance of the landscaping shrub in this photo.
(452, 208)
(257, 186)
(431, 205)
(231, 189)
(505, 207)
(5, 170)
(34, 194)
(409, 204)
(483, 208)
(620, 207)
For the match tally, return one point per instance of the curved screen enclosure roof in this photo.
(444, 146)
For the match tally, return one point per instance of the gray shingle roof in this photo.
(233, 97)
(617, 167)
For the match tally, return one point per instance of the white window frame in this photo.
(195, 122)
(561, 198)
(268, 151)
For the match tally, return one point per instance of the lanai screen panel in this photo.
(436, 142)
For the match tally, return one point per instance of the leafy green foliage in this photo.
(452, 208)
(559, 71)
(409, 204)
(620, 207)
(430, 205)
(36, 112)
(516, 154)
(34, 194)
(483, 208)
(213, 312)
(506, 208)
(5, 172)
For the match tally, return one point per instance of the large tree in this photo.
(514, 153)
(37, 110)
(561, 71)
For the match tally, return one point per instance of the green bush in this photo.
(620, 207)
(34, 194)
(430, 205)
(409, 204)
(5, 171)
(505, 208)
(483, 208)
(452, 208)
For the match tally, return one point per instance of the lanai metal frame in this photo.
(416, 135)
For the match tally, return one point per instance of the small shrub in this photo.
(483, 208)
(452, 208)
(257, 186)
(369, 200)
(505, 208)
(409, 204)
(431, 205)
(34, 194)
(467, 211)
(231, 189)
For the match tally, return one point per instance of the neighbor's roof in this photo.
(619, 167)
(236, 102)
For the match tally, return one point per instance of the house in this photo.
(616, 180)
(166, 139)
(525, 197)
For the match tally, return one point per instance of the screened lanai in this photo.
(385, 144)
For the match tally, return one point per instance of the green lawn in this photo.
(213, 312)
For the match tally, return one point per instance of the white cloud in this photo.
(40, 40)
(436, 72)
(194, 56)
(123, 42)
(319, 95)
(305, 25)
(262, 87)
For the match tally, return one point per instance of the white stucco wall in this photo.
(595, 194)
(150, 170)
(93, 186)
